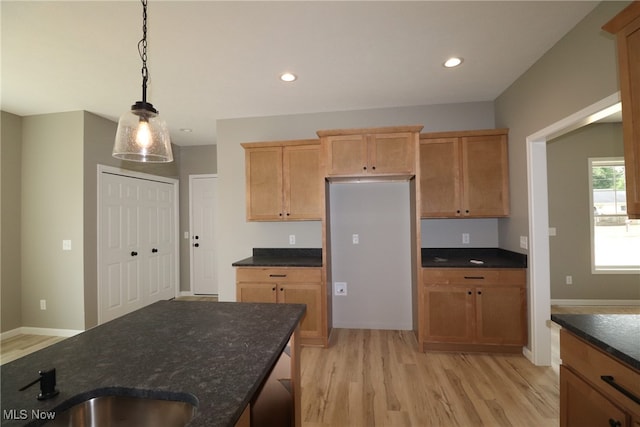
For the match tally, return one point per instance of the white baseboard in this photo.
(628, 302)
(28, 330)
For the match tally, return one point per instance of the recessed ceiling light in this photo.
(452, 62)
(288, 77)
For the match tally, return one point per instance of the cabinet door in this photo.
(264, 183)
(303, 182)
(501, 315)
(485, 176)
(256, 292)
(392, 153)
(346, 154)
(440, 177)
(629, 57)
(309, 294)
(448, 313)
(581, 405)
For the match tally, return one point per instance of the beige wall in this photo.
(569, 213)
(52, 210)
(575, 73)
(10, 181)
(60, 155)
(237, 237)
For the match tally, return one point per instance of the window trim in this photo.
(605, 269)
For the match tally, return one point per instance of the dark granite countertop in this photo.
(282, 257)
(616, 334)
(212, 354)
(462, 258)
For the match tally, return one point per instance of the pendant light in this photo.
(142, 136)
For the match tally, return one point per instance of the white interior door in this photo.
(204, 280)
(137, 241)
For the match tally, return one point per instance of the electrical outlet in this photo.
(524, 242)
(292, 239)
(43, 304)
(66, 245)
(568, 280)
(340, 288)
(465, 238)
(355, 239)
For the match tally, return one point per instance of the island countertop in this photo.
(213, 354)
(615, 334)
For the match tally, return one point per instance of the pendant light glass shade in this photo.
(142, 136)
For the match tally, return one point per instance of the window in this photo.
(615, 239)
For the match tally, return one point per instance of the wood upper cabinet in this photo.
(626, 26)
(464, 174)
(370, 152)
(285, 285)
(283, 181)
(473, 309)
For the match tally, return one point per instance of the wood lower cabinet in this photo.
(370, 152)
(286, 285)
(284, 181)
(626, 27)
(464, 174)
(473, 309)
(586, 399)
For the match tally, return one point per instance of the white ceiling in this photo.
(211, 60)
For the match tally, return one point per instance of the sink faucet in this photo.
(47, 382)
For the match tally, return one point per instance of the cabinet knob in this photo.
(458, 211)
(281, 289)
(479, 292)
(134, 253)
(273, 289)
(280, 214)
(466, 211)
(614, 423)
(288, 214)
(374, 168)
(469, 292)
(364, 168)
(155, 251)
(197, 245)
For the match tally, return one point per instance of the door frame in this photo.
(539, 289)
(193, 177)
(104, 169)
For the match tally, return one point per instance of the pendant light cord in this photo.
(142, 50)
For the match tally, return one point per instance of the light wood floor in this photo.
(377, 378)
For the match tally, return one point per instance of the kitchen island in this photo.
(216, 356)
(600, 371)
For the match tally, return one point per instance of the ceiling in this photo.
(211, 60)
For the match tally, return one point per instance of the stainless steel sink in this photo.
(126, 411)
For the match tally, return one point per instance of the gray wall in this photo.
(10, 181)
(378, 269)
(52, 210)
(238, 237)
(569, 213)
(575, 73)
(447, 233)
(197, 160)
(49, 168)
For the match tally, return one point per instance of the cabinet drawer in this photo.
(473, 276)
(593, 363)
(279, 275)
